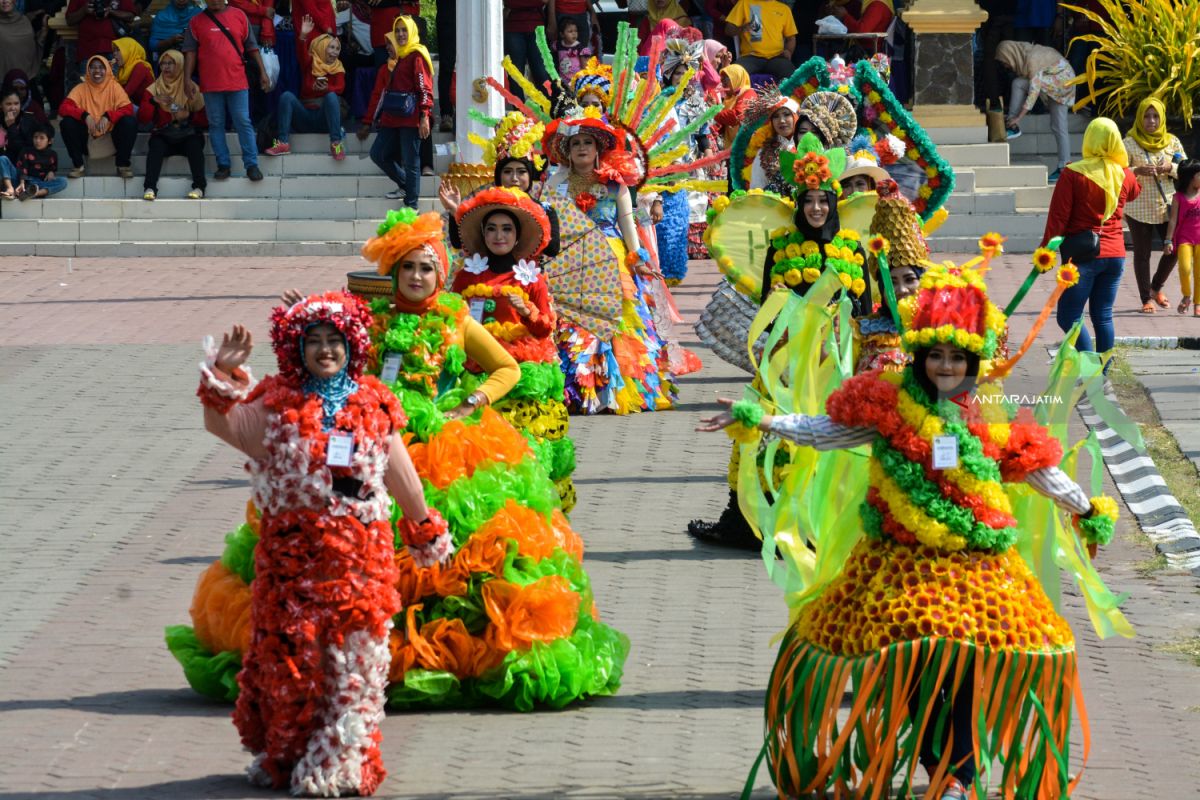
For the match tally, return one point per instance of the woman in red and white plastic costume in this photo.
(325, 451)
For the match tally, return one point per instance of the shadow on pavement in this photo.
(702, 553)
(144, 702)
(687, 699)
(210, 787)
(652, 479)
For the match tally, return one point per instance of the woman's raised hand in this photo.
(234, 350)
(306, 26)
(720, 421)
(291, 296)
(450, 196)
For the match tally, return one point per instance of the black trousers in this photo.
(75, 138)
(191, 148)
(960, 718)
(446, 54)
(1142, 234)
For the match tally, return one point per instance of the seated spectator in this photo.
(262, 19)
(175, 116)
(17, 81)
(18, 43)
(661, 10)
(664, 30)
(875, 16)
(16, 132)
(170, 24)
(398, 135)
(718, 12)
(98, 107)
(39, 166)
(322, 81)
(717, 54)
(133, 70)
(570, 53)
(94, 21)
(766, 33)
(739, 94)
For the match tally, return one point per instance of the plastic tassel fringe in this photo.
(547, 59)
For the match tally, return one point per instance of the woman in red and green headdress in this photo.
(931, 606)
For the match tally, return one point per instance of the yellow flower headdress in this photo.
(515, 136)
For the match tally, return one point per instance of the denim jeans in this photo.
(8, 170)
(1097, 289)
(54, 185)
(397, 151)
(1058, 117)
(295, 116)
(237, 104)
(522, 49)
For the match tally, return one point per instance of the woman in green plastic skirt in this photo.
(510, 620)
(932, 608)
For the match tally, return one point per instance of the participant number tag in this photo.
(477, 308)
(340, 450)
(945, 452)
(391, 368)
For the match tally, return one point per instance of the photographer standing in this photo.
(99, 22)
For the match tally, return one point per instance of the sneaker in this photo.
(150, 195)
(1053, 177)
(195, 194)
(254, 173)
(222, 172)
(447, 124)
(427, 172)
(77, 172)
(338, 151)
(125, 172)
(395, 194)
(955, 790)
(279, 149)
(1012, 133)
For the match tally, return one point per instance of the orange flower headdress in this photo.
(402, 232)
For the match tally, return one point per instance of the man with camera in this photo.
(98, 22)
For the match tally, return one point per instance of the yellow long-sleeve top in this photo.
(482, 348)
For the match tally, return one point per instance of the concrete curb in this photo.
(1160, 342)
(1158, 513)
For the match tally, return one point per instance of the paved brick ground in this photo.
(117, 499)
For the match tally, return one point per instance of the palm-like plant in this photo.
(1146, 48)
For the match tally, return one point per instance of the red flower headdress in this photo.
(343, 311)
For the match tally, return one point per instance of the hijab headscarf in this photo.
(414, 40)
(1160, 139)
(11, 79)
(821, 236)
(665, 29)
(1104, 160)
(18, 45)
(318, 49)
(1026, 59)
(395, 43)
(132, 54)
(177, 89)
(99, 99)
(739, 81)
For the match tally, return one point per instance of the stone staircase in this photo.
(306, 204)
(309, 204)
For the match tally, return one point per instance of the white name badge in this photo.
(339, 450)
(945, 452)
(476, 308)
(391, 368)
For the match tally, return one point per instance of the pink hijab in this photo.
(710, 77)
(667, 29)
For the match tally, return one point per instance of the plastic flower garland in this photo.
(799, 261)
(487, 291)
(812, 166)
(1099, 526)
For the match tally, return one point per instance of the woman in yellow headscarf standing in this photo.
(1086, 209)
(1154, 156)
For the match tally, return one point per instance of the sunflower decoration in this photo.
(1044, 259)
(877, 244)
(991, 244)
(1068, 275)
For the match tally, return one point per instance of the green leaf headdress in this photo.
(812, 166)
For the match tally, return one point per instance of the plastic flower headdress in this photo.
(534, 224)
(343, 311)
(595, 78)
(515, 136)
(403, 231)
(812, 166)
(952, 307)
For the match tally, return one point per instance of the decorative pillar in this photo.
(480, 49)
(944, 63)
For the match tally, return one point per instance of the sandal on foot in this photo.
(1196, 311)
(1183, 304)
(1147, 307)
(1162, 300)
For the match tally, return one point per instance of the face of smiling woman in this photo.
(324, 351)
(417, 275)
(499, 234)
(946, 367)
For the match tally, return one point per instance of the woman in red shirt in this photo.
(174, 115)
(96, 107)
(318, 108)
(133, 71)
(397, 147)
(1090, 196)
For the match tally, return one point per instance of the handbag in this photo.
(398, 104)
(1080, 247)
(176, 132)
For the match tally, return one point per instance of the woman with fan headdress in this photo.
(503, 231)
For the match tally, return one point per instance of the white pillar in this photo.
(480, 49)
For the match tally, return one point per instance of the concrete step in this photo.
(1010, 176)
(314, 143)
(1033, 197)
(975, 155)
(1011, 225)
(336, 208)
(1040, 123)
(292, 187)
(944, 243)
(205, 249)
(983, 201)
(301, 164)
(1042, 144)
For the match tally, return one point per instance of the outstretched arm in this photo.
(818, 432)
(224, 385)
